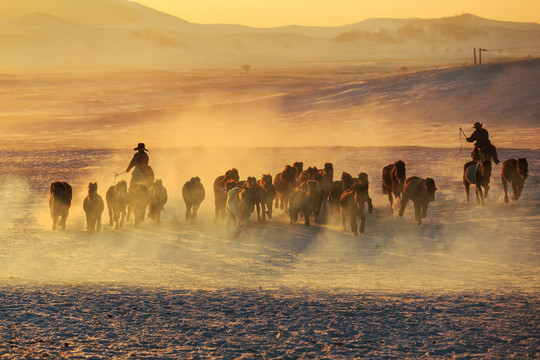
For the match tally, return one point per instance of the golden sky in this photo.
(270, 13)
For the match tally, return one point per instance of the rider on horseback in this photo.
(483, 146)
(140, 162)
(140, 159)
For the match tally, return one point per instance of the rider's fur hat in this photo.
(477, 125)
(141, 146)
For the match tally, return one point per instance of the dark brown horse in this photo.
(221, 185)
(352, 203)
(158, 199)
(117, 199)
(59, 203)
(193, 194)
(284, 182)
(338, 187)
(421, 192)
(93, 207)
(478, 173)
(393, 180)
(514, 172)
(267, 193)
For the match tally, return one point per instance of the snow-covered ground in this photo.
(464, 284)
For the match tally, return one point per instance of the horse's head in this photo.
(121, 186)
(289, 174)
(299, 166)
(363, 179)
(430, 187)
(523, 168)
(92, 188)
(232, 174)
(346, 180)
(195, 180)
(158, 183)
(247, 195)
(267, 179)
(329, 170)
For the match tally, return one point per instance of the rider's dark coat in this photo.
(140, 159)
(481, 136)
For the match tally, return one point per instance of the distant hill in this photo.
(120, 33)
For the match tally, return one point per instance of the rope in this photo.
(116, 175)
(460, 143)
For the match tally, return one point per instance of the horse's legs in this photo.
(515, 190)
(188, 212)
(404, 202)
(505, 188)
(122, 218)
(98, 223)
(354, 224)
(390, 198)
(424, 210)
(343, 220)
(467, 186)
(519, 189)
(370, 206)
(54, 221)
(479, 194)
(486, 187)
(418, 212)
(62, 222)
(362, 222)
(111, 215)
(194, 211)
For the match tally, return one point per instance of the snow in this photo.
(464, 284)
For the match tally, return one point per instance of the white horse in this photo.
(240, 205)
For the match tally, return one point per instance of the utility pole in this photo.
(474, 53)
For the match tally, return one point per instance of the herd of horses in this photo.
(299, 192)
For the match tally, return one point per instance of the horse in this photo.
(117, 199)
(284, 182)
(267, 195)
(515, 172)
(299, 166)
(304, 199)
(142, 174)
(363, 180)
(352, 203)
(59, 203)
(93, 207)
(478, 173)
(240, 204)
(158, 199)
(221, 186)
(326, 181)
(421, 192)
(338, 187)
(193, 194)
(393, 179)
(138, 200)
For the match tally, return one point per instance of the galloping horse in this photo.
(240, 205)
(284, 182)
(515, 172)
(93, 207)
(222, 184)
(267, 195)
(352, 203)
(59, 203)
(193, 194)
(117, 199)
(393, 180)
(478, 173)
(421, 192)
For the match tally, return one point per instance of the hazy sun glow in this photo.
(271, 13)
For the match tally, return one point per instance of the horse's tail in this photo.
(384, 189)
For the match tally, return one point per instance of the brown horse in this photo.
(284, 182)
(117, 199)
(240, 204)
(158, 199)
(304, 200)
(421, 192)
(59, 203)
(478, 173)
(266, 196)
(193, 194)
(515, 172)
(393, 180)
(93, 207)
(221, 185)
(352, 203)
(138, 200)
(338, 187)
(363, 180)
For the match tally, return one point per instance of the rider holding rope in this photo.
(140, 159)
(482, 145)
